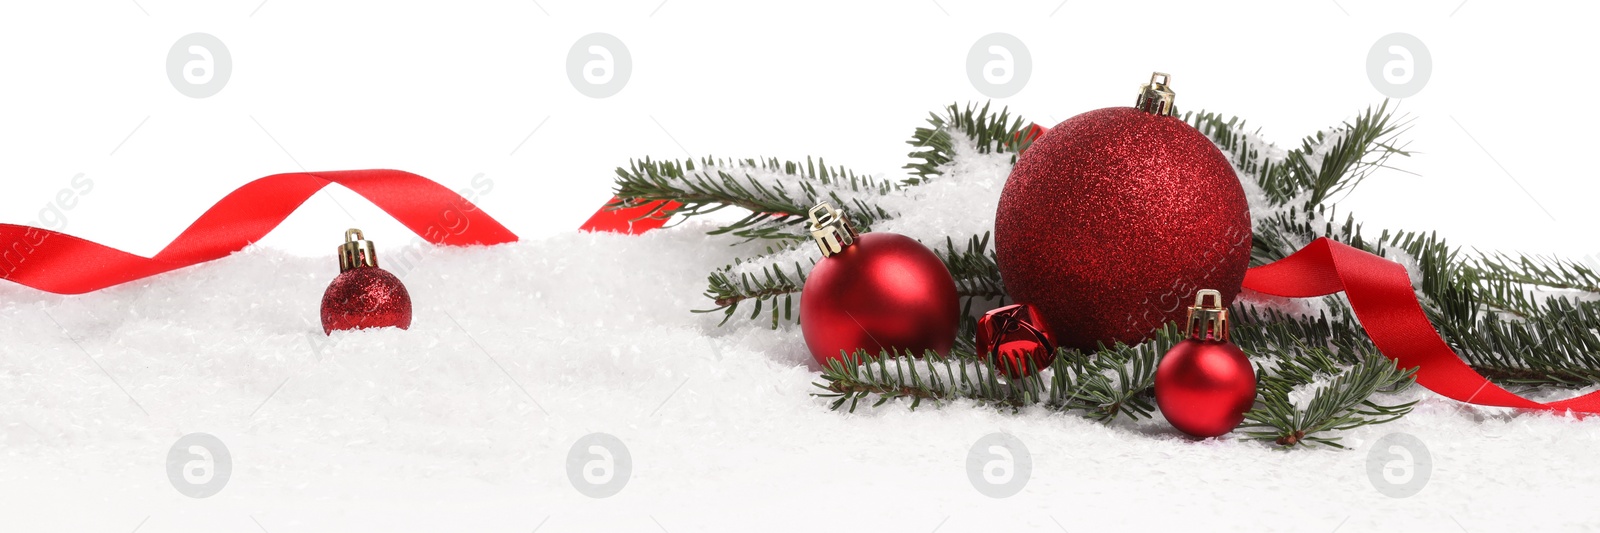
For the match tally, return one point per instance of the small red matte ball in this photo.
(1204, 387)
(885, 292)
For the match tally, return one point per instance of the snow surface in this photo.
(421, 430)
(465, 421)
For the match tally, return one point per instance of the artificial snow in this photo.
(519, 352)
(464, 422)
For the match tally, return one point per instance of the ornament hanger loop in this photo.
(831, 229)
(356, 251)
(1155, 97)
(1208, 321)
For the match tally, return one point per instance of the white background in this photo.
(433, 429)
(451, 90)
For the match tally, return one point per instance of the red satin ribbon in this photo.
(1380, 292)
(63, 264)
(629, 220)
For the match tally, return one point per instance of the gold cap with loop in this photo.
(831, 229)
(356, 251)
(1155, 97)
(1208, 322)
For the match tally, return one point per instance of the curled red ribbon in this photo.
(63, 264)
(1380, 292)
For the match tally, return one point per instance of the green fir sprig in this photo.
(776, 194)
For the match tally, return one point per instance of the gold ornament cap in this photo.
(831, 229)
(1208, 322)
(1155, 97)
(356, 251)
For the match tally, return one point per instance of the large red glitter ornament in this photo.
(1114, 218)
(363, 295)
(1205, 384)
(876, 292)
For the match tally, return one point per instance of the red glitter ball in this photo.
(365, 297)
(1113, 219)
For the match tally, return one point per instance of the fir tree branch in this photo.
(1119, 382)
(1343, 403)
(770, 287)
(989, 132)
(1545, 342)
(931, 377)
(1105, 385)
(778, 213)
(1327, 163)
(1518, 320)
(777, 194)
(1547, 272)
(1110, 383)
(974, 270)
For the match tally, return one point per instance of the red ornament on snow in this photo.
(1205, 384)
(1016, 339)
(875, 292)
(1111, 220)
(363, 295)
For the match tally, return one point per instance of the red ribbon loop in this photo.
(1380, 292)
(63, 264)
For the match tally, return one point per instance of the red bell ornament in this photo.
(1205, 384)
(363, 295)
(1016, 339)
(879, 292)
(1112, 219)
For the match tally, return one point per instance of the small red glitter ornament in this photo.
(879, 292)
(363, 295)
(1111, 220)
(1205, 384)
(1017, 339)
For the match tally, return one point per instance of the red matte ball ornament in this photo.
(1111, 221)
(363, 295)
(1205, 384)
(879, 292)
